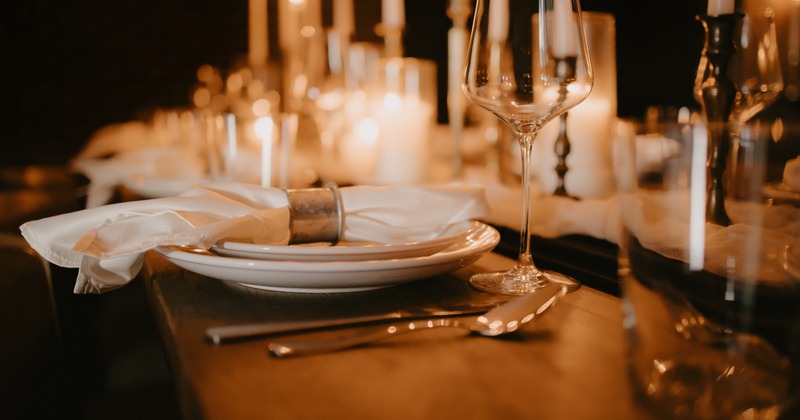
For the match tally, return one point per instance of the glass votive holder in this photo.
(589, 126)
(389, 143)
(262, 151)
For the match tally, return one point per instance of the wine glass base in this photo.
(507, 283)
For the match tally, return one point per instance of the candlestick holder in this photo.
(716, 93)
(393, 41)
(565, 71)
(459, 12)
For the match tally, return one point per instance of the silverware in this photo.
(226, 333)
(506, 318)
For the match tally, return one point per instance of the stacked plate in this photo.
(345, 267)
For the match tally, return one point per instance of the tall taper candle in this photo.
(258, 44)
(498, 21)
(565, 40)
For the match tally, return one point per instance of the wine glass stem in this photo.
(525, 259)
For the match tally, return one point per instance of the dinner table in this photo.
(569, 362)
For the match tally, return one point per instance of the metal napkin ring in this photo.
(315, 215)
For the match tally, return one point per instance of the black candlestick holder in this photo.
(717, 93)
(565, 71)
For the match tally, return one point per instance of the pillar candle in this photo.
(402, 154)
(590, 129)
(720, 7)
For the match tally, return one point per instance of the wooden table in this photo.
(569, 364)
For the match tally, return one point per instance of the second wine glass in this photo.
(527, 63)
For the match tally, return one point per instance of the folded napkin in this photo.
(122, 152)
(108, 243)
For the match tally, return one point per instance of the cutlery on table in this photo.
(505, 318)
(228, 333)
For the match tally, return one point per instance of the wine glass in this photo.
(755, 67)
(527, 63)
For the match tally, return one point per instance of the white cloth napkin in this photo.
(108, 243)
(122, 152)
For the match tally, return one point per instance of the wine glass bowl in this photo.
(755, 67)
(527, 64)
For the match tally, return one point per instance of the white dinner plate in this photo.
(347, 251)
(160, 187)
(333, 277)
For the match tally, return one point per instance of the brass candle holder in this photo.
(716, 93)
(565, 70)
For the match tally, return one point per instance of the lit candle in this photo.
(590, 128)
(265, 130)
(287, 123)
(290, 20)
(403, 124)
(358, 152)
(720, 7)
(257, 25)
(498, 21)
(393, 13)
(565, 41)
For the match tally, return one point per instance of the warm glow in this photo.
(255, 89)
(298, 5)
(261, 107)
(201, 98)
(263, 128)
(777, 129)
(367, 131)
(187, 120)
(308, 31)
(393, 102)
(235, 82)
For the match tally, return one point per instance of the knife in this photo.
(229, 333)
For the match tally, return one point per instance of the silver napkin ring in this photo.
(315, 215)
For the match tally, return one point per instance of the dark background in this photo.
(69, 68)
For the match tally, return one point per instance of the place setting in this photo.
(311, 205)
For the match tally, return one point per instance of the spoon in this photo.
(506, 318)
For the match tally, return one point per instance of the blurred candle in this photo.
(590, 125)
(403, 124)
(290, 21)
(590, 173)
(343, 20)
(358, 152)
(265, 131)
(257, 25)
(498, 21)
(720, 7)
(564, 39)
(393, 13)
